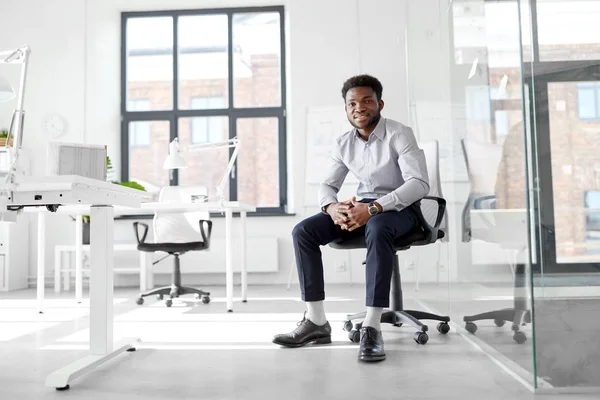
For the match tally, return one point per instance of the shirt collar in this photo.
(379, 130)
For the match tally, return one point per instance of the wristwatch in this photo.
(373, 210)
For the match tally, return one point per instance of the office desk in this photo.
(229, 207)
(45, 192)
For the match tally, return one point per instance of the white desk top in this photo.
(153, 207)
(72, 189)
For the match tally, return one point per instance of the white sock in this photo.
(316, 312)
(373, 318)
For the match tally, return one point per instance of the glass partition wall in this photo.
(511, 91)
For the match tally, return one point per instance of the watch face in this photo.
(373, 209)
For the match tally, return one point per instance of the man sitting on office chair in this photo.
(383, 154)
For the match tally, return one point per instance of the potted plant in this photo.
(3, 136)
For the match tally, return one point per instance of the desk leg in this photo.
(244, 265)
(102, 348)
(78, 258)
(41, 260)
(229, 259)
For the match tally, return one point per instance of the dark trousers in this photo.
(380, 232)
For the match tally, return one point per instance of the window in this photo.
(205, 76)
(207, 129)
(592, 221)
(588, 97)
(139, 133)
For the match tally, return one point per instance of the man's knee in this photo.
(303, 229)
(378, 228)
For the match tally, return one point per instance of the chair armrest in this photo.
(478, 201)
(205, 237)
(137, 233)
(441, 210)
(432, 230)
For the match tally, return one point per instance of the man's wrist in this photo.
(325, 207)
(376, 204)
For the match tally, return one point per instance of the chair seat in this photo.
(414, 238)
(172, 247)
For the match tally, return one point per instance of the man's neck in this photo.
(365, 133)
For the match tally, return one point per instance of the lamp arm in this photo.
(18, 56)
(225, 177)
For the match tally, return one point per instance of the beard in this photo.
(372, 122)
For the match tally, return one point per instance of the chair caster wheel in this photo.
(519, 337)
(205, 299)
(139, 301)
(347, 326)
(421, 337)
(159, 297)
(60, 389)
(443, 328)
(169, 303)
(499, 322)
(354, 336)
(131, 349)
(471, 327)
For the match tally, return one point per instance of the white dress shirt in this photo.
(390, 166)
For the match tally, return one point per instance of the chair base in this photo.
(516, 316)
(398, 318)
(174, 291)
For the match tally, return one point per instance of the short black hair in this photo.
(363, 81)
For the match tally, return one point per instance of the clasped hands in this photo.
(349, 214)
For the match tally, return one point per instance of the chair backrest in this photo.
(482, 161)
(177, 227)
(429, 208)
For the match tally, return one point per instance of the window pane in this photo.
(203, 66)
(587, 103)
(258, 161)
(257, 59)
(146, 162)
(150, 61)
(205, 167)
(568, 30)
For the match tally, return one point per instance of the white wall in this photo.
(75, 72)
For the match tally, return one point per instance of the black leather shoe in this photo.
(371, 345)
(305, 333)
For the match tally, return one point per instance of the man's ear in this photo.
(381, 104)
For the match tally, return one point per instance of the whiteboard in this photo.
(323, 126)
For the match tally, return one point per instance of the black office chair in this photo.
(424, 235)
(174, 227)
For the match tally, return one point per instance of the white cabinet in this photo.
(14, 254)
(14, 236)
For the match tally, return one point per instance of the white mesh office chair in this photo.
(431, 150)
(176, 233)
(507, 228)
(431, 212)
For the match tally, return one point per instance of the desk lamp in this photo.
(20, 57)
(175, 158)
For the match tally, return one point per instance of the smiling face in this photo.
(363, 108)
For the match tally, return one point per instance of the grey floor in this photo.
(194, 351)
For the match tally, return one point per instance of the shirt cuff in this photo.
(387, 202)
(327, 200)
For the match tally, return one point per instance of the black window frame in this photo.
(233, 114)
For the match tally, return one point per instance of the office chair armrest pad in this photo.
(478, 202)
(137, 233)
(205, 237)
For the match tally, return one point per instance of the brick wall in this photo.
(575, 161)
